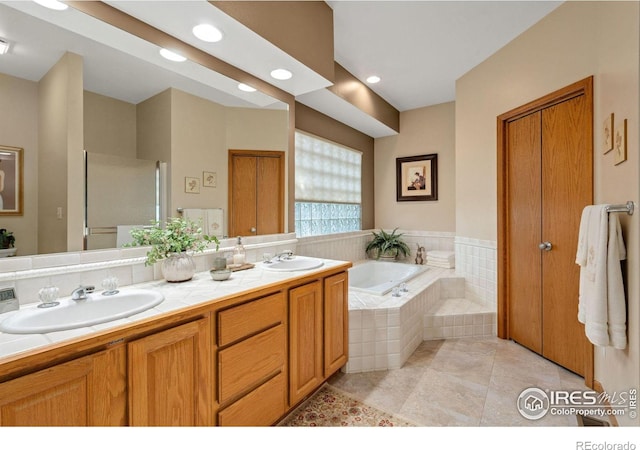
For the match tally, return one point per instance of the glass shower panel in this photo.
(120, 192)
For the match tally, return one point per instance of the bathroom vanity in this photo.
(247, 357)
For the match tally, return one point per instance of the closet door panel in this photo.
(524, 222)
(567, 189)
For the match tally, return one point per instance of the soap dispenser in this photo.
(238, 253)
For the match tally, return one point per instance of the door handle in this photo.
(546, 246)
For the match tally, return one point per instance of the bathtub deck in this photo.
(384, 330)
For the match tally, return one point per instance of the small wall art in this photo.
(607, 134)
(192, 185)
(11, 184)
(209, 179)
(620, 142)
(417, 178)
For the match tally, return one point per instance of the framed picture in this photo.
(607, 134)
(620, 142)
(11, 184)
(192, 185)
(209, 179)
(417, 178)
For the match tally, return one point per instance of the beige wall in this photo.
(109, 125)
(20, 129)
(60, 144)
(422, 131)
(577, 40)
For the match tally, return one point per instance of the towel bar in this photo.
(628, 208)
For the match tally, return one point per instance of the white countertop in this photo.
(199, 290)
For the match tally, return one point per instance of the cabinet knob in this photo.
(253, 229)
(546, 246)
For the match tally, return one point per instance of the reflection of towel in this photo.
(214, 222)
(601, 306)
(211, 220)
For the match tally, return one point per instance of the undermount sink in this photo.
(294, 264)
(69, 314)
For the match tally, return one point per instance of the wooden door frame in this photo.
(256, 153)
(582, 87)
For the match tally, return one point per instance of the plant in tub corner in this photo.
(7, 239)
(388, 245)
(173, 243)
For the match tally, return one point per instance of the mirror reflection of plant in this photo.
(178, 235)
(7, 239)
(388, 243)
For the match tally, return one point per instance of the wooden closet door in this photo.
(524, 225)
(567, 189)
(242, 195)
(269, 188)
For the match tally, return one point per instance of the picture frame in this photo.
(192, 185)
(417, 178)
(11, 181)
(620, 142)
(607, 134)
(209, 179)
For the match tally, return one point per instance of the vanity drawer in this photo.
(272, 398)
(246, 364)
(247, 319)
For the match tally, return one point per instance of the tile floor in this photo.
(462, 382)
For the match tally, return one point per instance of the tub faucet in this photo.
(80, 293)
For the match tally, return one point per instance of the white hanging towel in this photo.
(211, 220)
(601, 305)
(214, 222)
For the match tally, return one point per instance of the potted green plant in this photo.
(387, 245)
(174, 244)
(7, 239)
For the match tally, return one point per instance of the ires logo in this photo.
(534, 403)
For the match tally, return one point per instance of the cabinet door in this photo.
(170, 377)
(336, 323)
(305, 340)
(88, 391)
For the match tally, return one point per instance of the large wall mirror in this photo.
(64, 94)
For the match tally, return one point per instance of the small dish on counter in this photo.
(220, 274)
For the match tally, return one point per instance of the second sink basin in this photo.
(296, 263)
(70, 314)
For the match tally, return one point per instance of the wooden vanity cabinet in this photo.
(336, 323)
(318, 333)
(88, 391)
(252, 362)
(170, 377)
(243, 361)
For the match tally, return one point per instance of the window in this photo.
(328, 187)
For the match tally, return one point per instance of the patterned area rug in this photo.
(330, 407)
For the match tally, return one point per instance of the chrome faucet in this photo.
(80, 293)
(287, 254)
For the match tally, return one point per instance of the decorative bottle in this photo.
(238, 253)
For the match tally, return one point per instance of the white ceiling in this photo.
(418, 48)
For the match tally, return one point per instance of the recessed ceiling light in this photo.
(171, 56)
(207, 33)
(246, 88)
(52, 4)
(281, 74)
(373, 79)
(4, 47)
